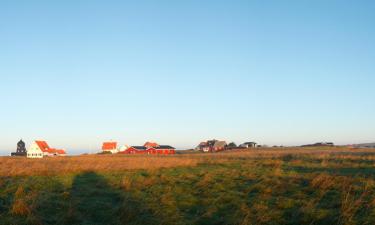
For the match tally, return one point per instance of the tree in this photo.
(232, 145)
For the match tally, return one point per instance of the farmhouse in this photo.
(249, 145)
(150, 148)
(134, 150)
(219, 146)
(110, 147)
(40, 149)
(212, 146)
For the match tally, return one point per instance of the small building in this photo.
(212, 146)
(219, 146)
(110, 147)
(203, 146)
(21, 149)
(160, 149)
(249, 145)
(40, 149)
(134, 150)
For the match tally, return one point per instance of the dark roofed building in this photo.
(219, 146)
(21, 149)
(212, 146)
(134, 150)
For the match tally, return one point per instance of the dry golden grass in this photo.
(74, 164)
(13, 166)
(257, 186)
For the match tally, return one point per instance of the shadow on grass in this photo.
(94, 201)
(90, 201)
(361, 171)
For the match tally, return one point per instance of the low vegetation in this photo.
(263, 186)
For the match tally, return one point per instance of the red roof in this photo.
(60, 151)
(45, 148)
(109, 146)
(151, 144)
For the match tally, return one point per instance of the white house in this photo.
(40, 149)
(249, 145)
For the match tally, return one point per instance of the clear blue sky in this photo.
(77, 73)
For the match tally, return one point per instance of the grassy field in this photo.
(264, 186)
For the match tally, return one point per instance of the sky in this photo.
(80, 72)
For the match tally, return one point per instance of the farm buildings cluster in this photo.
(216, 146)
(41, 149)
(149, 148)
(38, 149)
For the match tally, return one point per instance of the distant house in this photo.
(21, 149)
(249, 145)
(158, 149)
(110, 147)
(40, 149)
(211, 146)
(203, 146)
(134, 150)
(219, 146)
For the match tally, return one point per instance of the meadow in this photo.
(263, 186)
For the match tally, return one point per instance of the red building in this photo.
(158, 150)
(135, 150)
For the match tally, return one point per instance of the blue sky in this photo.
(77, 73)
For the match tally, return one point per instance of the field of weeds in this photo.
(263, 186)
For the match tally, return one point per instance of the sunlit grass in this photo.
(263, 186)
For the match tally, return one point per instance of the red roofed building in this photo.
(40, 149)
(135, 150)
(110, 147)
(159, 150)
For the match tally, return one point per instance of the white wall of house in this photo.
(34, 151)
(253, 145)
(123, 148)
(114, 151)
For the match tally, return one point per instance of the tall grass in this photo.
(261, 186)
(13, 166)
